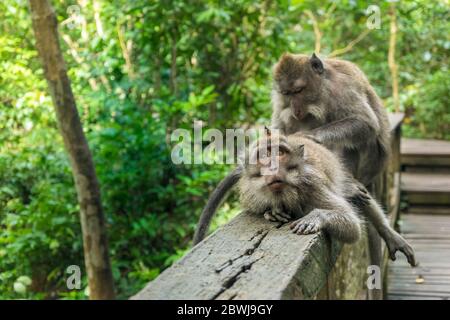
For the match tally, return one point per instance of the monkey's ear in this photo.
(316, 64)
(301, 150)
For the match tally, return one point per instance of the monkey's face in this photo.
(275, 167)
(297, 83)
(272, 174)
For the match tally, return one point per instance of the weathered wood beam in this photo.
(250, 258)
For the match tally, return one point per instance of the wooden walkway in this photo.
(425, 185)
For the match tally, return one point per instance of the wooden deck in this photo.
(422, 188)
(425, 223)
(429, 153)
(430, 237)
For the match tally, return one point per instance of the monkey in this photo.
(308, 183)
(333, 103)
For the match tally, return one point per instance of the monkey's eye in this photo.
(281, 153)
(292, 166)
(291, 92)
(297, 90)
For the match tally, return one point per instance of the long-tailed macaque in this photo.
(307, 182)
(331, 101)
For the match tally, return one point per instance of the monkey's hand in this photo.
(361, 198)
(397, 243)
(314, 138)
(311, 223)
(277, 215)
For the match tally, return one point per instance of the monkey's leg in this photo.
(394, 241)
(213, 203)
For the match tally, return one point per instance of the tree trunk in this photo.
(92, 220)
(391, 56)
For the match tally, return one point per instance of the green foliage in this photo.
(428, 107)
(141, 69)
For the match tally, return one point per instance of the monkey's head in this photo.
(297, 83)
(272, 173)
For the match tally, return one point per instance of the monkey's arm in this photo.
(394, 241)
(348, 132)
(213, 203)
(335, 216)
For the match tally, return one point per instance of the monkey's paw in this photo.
(314, 138)
(277, 215)
(398, 243)
(361, 198)
(309, 224)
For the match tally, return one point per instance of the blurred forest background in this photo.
(140, 69)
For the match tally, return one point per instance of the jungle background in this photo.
(139, 69)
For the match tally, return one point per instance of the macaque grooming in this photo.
(332, 102)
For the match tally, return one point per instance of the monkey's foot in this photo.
(397, 243)
(276, 215)
(309, 224)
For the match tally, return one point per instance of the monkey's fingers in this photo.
(297, 226)
(313, 138)
(283, 216)
(311, 228)
(360, 200)
(409, 253)
(279, 217)
(362, 189)
(392, 254)
(268, 216)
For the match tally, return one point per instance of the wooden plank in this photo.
(441, 295)
(428, 153)
(433, 166)
(423, 287)
(426, 188)
(429, 210)
(425, 182)
(425, 147)
(402, 296)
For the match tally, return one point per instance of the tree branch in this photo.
(350, 46)
(317, 33)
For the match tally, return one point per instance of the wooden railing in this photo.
(251, 258)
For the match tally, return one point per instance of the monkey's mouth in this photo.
(276, 185)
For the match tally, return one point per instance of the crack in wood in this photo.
(262, 234)
(229, 282)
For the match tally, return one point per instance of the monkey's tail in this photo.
(214, 202)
